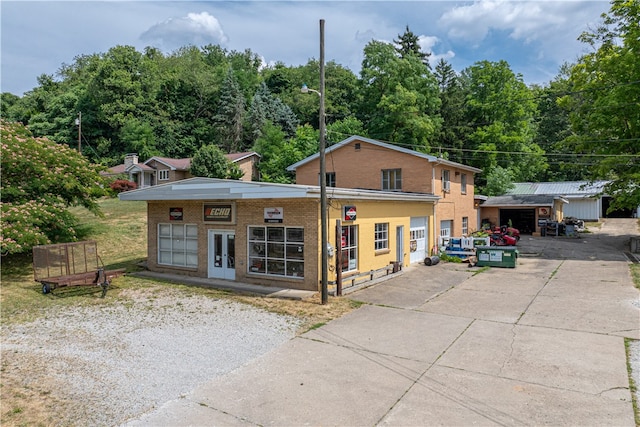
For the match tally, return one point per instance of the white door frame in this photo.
(221, 265)
(400, 244)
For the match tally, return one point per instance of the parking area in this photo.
(539, 344)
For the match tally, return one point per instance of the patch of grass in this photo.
(449, 258)
(481, 270)
(635, 274)
(317, 326)
(596, 224)
(633, 387)
(121, 236)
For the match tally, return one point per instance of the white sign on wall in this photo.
(273, 215)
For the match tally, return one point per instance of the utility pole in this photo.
(323, 176)
(324, 234)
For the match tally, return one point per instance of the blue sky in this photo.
(534, 37)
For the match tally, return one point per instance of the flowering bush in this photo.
(40, 181)
(120, 185)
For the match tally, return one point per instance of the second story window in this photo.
(446, 182)
(392, 179)
(463, 183)
(163, 175)
(331, 179)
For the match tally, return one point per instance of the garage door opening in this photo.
(619, 213)
(522, 219)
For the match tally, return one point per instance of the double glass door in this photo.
(222, 254)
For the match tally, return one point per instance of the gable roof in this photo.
(227, 189)
(567, 188)
(173, 164)
(236, 157)
(428, 157)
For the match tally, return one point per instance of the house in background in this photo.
(363, 163)
(162, 170)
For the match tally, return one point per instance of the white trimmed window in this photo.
(276, 251)
(349, 247)
(178, 245)
(382, 236)
(463, 183)
(392, 179)
(465, 225)
(163, 175)
(446, 180)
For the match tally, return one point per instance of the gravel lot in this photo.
(108, 364)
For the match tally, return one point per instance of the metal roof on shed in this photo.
(226, 189)
(567, 188)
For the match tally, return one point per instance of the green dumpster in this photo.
(497, 256)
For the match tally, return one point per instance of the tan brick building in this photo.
(268, 234)
(359, 162)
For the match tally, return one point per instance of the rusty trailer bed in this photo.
(71, 264)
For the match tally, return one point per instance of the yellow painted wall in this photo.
(369, 213)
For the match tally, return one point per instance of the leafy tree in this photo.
(409, 44)
(140, 137)
(277, 153)
(343, 129)
(210, 161)
(499, 181)
(500, 109)
(604, 103)
(553, 130)
(40, 181)
(398, 97)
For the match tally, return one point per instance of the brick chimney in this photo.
(130, 159)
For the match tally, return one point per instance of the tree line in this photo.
(584, 124)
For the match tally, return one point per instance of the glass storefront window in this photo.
(276, 251)
(178, 245)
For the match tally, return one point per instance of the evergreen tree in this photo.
(452, 111)
(409, 44)
(230, 114)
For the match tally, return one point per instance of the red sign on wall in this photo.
(349, 213)
(175, 214)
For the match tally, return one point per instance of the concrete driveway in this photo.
(539, 344)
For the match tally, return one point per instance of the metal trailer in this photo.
(71, 264)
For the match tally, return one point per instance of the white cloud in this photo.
(525, 20)
(193, 29)
(427, 43)
(436, 57)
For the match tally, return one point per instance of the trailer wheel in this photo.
(45, 288)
